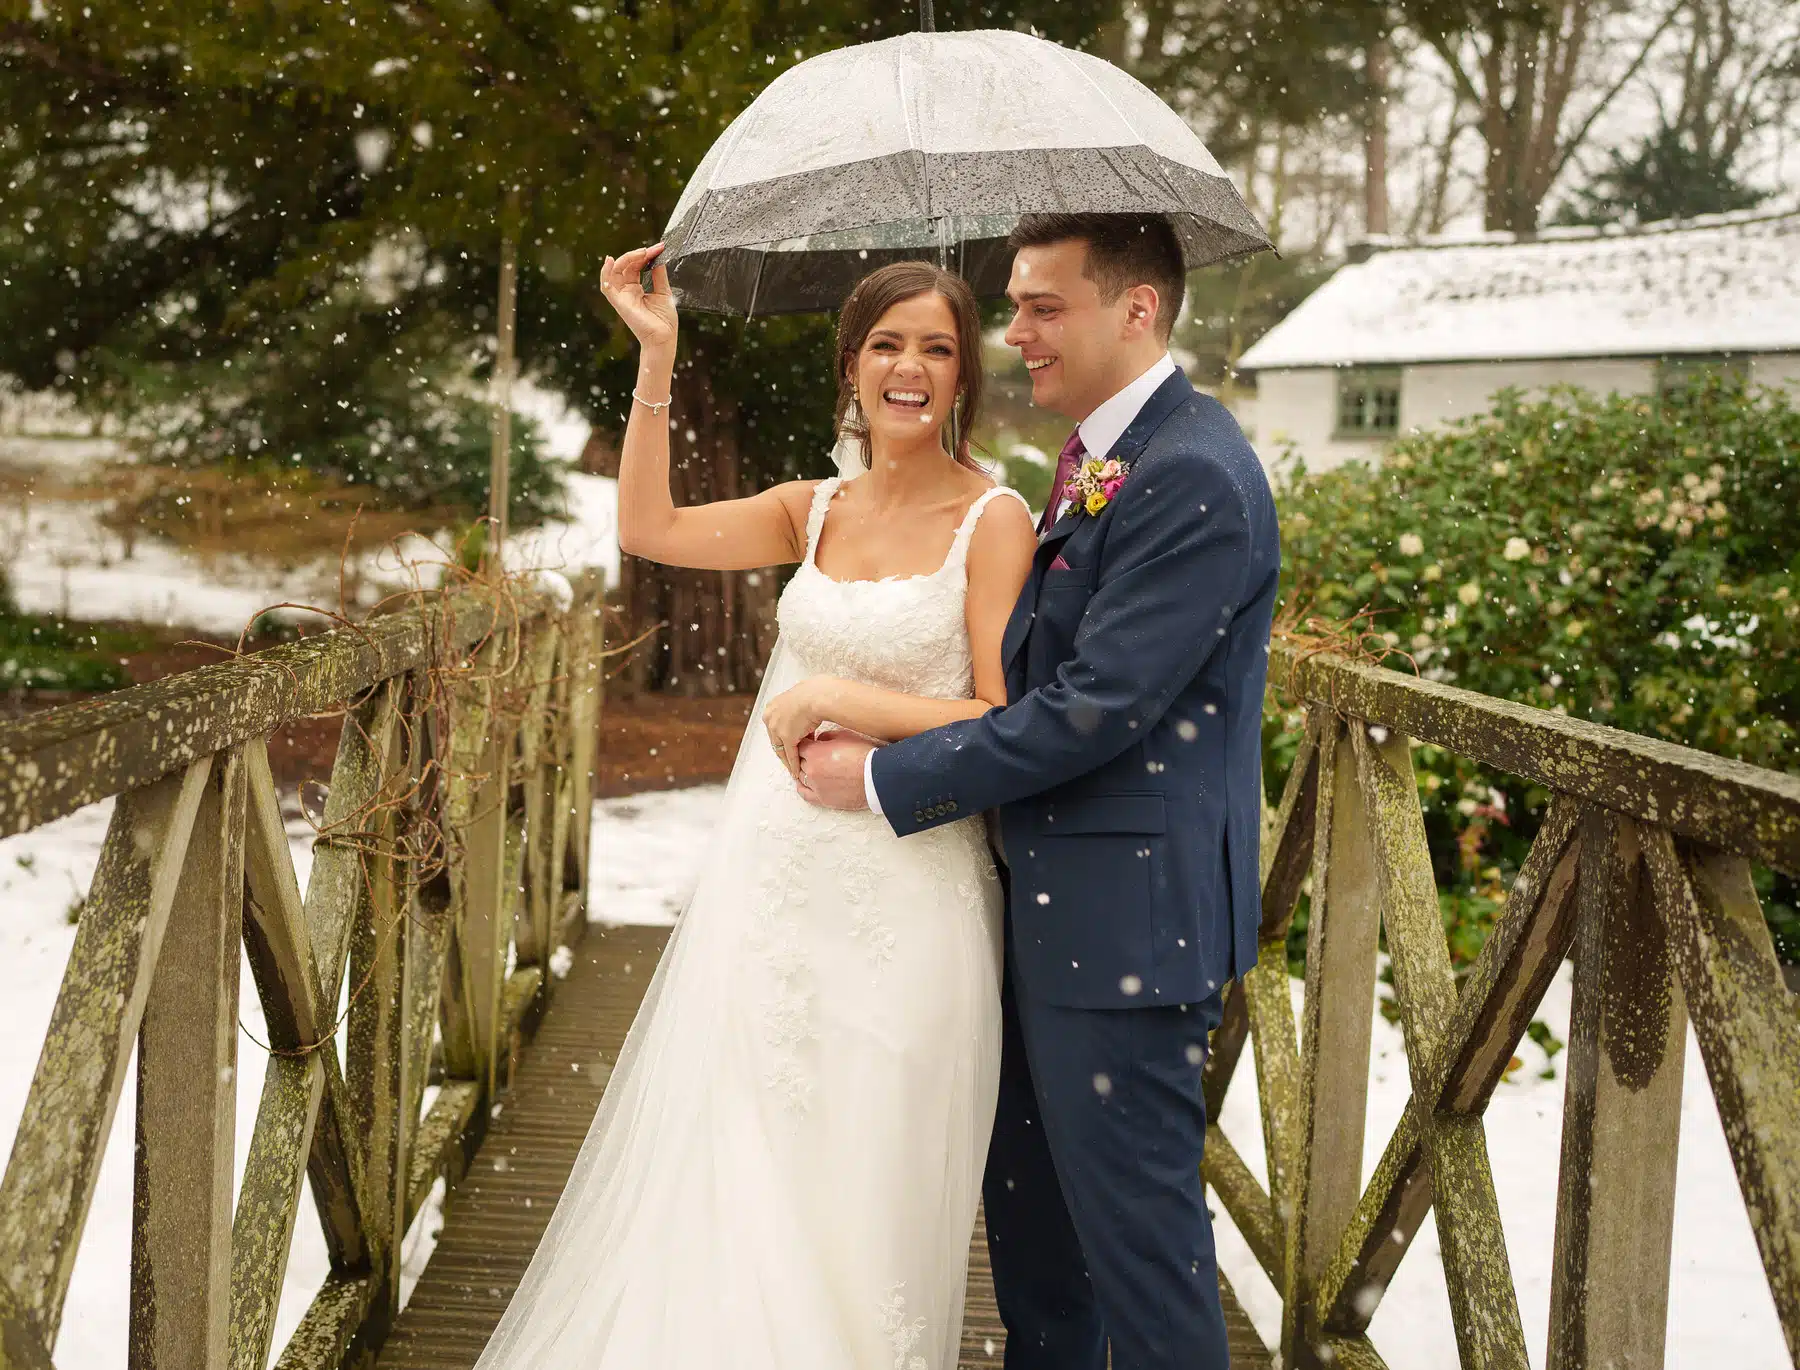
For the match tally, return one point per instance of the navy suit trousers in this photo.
(1097, 1222)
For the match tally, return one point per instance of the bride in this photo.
(784, 1170)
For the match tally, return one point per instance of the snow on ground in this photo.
(59, 559)
(1721, 1312)
(642, 861)
(1720, 1309)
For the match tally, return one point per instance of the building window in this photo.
(1368, 402)
(1677, 373)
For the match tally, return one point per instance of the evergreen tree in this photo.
(1670, 175)
(313, 191)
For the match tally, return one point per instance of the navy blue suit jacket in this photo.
(1127, 767)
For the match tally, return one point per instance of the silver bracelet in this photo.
(652, 405)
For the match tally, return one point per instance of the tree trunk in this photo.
(716, 627)
(1375, 139)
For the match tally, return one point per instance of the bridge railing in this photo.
(450, 862)
(1642, 871)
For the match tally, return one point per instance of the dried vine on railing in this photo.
(452, 840)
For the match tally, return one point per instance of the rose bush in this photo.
(1627, 559)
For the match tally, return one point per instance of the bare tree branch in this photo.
(1637, 63)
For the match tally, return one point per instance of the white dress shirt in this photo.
(1099, 431)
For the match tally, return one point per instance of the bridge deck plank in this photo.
(499, 1212)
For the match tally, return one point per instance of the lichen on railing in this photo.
(1640, 869)
(451, 840)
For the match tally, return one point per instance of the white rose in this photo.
(1517, 549)
(1469, 592)
(1411, 544)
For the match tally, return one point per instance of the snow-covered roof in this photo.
(1726, 283)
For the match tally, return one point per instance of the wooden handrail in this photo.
(1640, 869)
(56, 761)
(1724, 803)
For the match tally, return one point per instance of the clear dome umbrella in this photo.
(932, 145)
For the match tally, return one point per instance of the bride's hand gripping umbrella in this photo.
(649, 314)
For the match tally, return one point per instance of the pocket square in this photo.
(1060, 564)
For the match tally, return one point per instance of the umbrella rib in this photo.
(762, 260)
(914, 138)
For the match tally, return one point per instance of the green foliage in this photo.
(336, 392)
(1631, 560)
(190, 185)
(1236, 69)
(1670, 175)
(1625, 559)
(48, 654)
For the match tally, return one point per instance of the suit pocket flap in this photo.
(1141, 813)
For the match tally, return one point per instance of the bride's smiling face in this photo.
(908, 370)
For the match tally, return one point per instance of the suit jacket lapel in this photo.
(1163, 401)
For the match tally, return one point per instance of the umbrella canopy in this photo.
(933, 145)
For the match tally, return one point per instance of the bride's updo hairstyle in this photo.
(879, 292)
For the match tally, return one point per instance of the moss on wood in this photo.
(52, 763)
(68, 1112)
(1728, 804)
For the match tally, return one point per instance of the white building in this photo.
(1407, 336)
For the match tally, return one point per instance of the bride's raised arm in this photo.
(727, 535)
(999, 559)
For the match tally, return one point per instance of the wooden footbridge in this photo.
(421, 963)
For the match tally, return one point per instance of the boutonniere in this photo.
(1095, 482)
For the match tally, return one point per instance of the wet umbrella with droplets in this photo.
(932, 145)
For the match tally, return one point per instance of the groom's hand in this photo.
(831, 771)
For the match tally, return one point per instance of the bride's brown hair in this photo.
(879, 292)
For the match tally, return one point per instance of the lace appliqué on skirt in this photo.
(903, 1335)
(787, 1017)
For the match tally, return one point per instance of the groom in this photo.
(1126, 773)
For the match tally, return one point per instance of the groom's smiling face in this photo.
(1069, 337)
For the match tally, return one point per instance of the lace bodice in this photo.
(905, 633)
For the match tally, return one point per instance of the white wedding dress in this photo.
(784, 1171)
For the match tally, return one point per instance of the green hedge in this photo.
(1632, 560)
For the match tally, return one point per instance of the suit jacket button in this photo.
(952, 806)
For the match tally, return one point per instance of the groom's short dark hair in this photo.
(1123, 250)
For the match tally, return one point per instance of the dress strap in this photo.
(965, 533)
(823, 494)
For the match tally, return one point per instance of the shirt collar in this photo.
(1107, 424)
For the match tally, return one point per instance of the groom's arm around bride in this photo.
(1126, 772)
(1135, 662)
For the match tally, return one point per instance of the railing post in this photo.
(1749, 1037)
(534, 930)
(586, 698)
(476, 823)
(375, 1059)
(1615, 1197)
(1341, 939)
(187, 1099)
(56, 1153)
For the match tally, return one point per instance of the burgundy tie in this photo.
(1072, 454)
